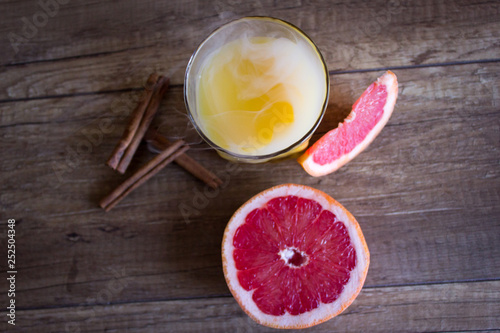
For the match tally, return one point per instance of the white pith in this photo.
(322, 312)
(287, 253)
(316, 170)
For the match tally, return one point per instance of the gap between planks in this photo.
(330, 73)
(228, 295)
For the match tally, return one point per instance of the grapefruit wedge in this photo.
(369, 115)
(293, 257)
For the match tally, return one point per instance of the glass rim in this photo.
(290, 147)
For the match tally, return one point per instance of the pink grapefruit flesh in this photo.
(369, 115)
(294, 257)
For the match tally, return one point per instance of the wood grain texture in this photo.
(426, 192)
(150, 36)
(460, 307)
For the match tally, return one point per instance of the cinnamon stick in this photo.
(159, 91)
(143, 174)
(159, 142)
(134, 122)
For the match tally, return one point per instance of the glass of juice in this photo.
(256, 89)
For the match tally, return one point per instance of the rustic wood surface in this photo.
(426, 192)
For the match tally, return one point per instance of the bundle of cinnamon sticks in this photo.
(138, 129)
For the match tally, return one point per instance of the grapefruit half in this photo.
(293, 257)
(369, 115)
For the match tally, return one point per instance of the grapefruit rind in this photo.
(323, 312)
(389, 79)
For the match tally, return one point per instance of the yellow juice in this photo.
(260, 95)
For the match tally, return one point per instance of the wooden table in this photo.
(426, 192)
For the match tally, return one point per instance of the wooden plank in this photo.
(118, 54)
(426, 192)
(457, 307)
